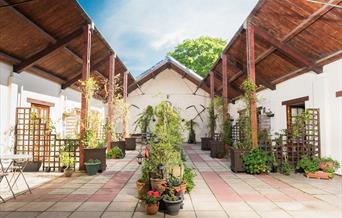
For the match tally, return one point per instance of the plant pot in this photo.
(205, 143)
(216, 149)
(96, 153)
(91, 168)
(158, 185)
(142, 188)
(318, 175)
(173, 207)
(33, 166)
(68, 172)
(326, 165)
(121, 145)
(181, 189)
(236, 159)
(151, 209)
(131, 143)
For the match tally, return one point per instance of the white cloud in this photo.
(145, 30)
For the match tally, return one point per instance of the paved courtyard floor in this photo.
(218, 193)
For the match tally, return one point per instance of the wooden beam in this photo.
(85, 76)
(124, 118)
(212, 85)
(225, 85)
(111, 72)
(47, 51)
(251, 76)
(286, 49)
(302, 26)
(236, 76)
(78, 76)
(339, 93)
(295, 101)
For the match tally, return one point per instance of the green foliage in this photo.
(174, 181)
(308, 164)
(198, 54)
(286, 169)
(298, 128)
(188, 178)
(256, 162)
(335, 164)
(67, 159)
(227, 132)
(192, 135)
(93, 161)
(215, 108)
(170, 196)
(144, 119)
(241, 145)
(115, 152)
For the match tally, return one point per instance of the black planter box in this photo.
(131, 143)
(96, 153)
(216, 149)
(121, 145)
(205, 143)
(33, 166)
(236, 159)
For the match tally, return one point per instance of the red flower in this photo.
(155, 194)
(150, 193)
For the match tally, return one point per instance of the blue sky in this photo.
(143, 31)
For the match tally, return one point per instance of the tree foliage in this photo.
(198, 54)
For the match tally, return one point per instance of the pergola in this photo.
(55, 39)
(279, 40)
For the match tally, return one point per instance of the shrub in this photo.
(309, 165)
(115, 153)
(329, 164)
(286, 169)
(188, 178)
(256, 162)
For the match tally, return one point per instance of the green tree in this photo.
(198, 54)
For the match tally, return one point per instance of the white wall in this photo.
(321, 89)
(16, 88)
(169, 85)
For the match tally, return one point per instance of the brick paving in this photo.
(218, 193)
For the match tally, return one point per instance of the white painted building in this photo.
(25, 89)
(169, 80)
(321, 91)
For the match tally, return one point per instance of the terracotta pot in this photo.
(183, 187)
(158, 185)
(142, 188)
(68, 172)
(326, 165)
(151, 209)
(318, 175)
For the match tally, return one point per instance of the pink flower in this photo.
(155, 194)
(150, 193)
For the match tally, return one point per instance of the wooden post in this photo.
(225, 86)
(251, 76)
(111, 72)
(212, 85)
(85, 76)
(124, 121)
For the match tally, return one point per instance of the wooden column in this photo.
(124, 121)
(85, 76)
(111, 72)
(251, 76)
(212, 85)
(225, 85)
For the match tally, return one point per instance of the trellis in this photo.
(32, 136)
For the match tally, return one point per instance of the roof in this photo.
(35, 26)
(292, 37)
(167, 63)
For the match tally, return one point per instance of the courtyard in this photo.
(218, 193)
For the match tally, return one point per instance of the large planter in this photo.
(318, 175)
(205, 143)
(173, 207)
(158, 185)
(142, 188)
(131, 143)
(91, 168)
(68, 172)
(151, 209)
(33, 166)
(236, 159)
(96, 153)
(216, 149)
(121, 145)
(326, 165)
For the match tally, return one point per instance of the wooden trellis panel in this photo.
(33, 137)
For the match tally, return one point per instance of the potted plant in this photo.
(227, 135)
(120, 143)
(144, 119)
(327, 164)
(310, 165)
(92, 166)
(143, 184)
(67, 160)
(175, 184)
(172, 203)
(237, 151)
(151, 203)
(94, 149)
(217, 148)
(192, 135)
(256, 161)
(188, 179)
(115, 153)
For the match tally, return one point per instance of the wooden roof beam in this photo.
(47, 51)
(286, 49)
